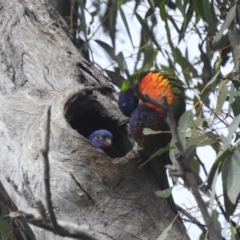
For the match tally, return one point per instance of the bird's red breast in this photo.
(154, 84)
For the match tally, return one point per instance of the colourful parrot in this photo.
(101, 139)
(146, 115)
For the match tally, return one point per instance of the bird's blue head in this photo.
(127, 102)
(101, 139)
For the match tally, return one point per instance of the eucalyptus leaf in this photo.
(120, 61)
(164, 17)
(183, 62)
(229, 92)
(126, 24)
(164, 193)
(209, 16)
(147, 30)
(185, 121)
(217, 64)
(216, 223)
(159, 152)
(198, 121)
(198, 7)
(54, 2)
(82, 5)
(180, 7)
(229, 18)
(203, 236)
(213, 187)
(195, 165)
(4, 228)
(202, 140)
(109, 49)
(233, 37)
(225, 142)
(94, 13)
(222, 94)
(233, 127)
(236, 106)
(148, 131)
(164, 234)
(229, 206)
(215, 77)
(217, 167)
(150, 55)
(233, 176)
(190, 151)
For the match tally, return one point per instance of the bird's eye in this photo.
(98, 137)
(124, 105)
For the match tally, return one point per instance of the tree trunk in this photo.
(40, 67)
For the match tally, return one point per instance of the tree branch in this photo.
(192, 219)
(64, 229)
(45, 152)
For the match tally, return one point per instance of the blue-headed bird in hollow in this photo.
(146, 115)
(101, 139)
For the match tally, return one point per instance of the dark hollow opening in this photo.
(86, 115)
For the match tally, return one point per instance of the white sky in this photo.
(181, 195)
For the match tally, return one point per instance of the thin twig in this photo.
(65, 229)
(45, 152)
(235, 225)
(182, 159)
(192, 219)
(201, 163)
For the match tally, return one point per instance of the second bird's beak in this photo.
(108, 142)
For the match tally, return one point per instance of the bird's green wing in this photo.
(153, 143)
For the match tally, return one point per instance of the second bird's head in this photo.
(127, 101)
(101, 139)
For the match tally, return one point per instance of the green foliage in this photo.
(5, 230)
(216, 222)
(235, 105)
(159, 39)
(165, 193)
(158, 153)
(164, 234)
(54, 2)
(229, 18)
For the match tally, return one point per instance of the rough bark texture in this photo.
(40, 67)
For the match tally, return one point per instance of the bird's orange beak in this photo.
(108, 142)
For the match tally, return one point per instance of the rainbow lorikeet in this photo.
(146, 115)
(101, 139)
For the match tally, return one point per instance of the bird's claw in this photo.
(128, 157)
(176, 169)
(132, 154)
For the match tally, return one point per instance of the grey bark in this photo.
(40, 67)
